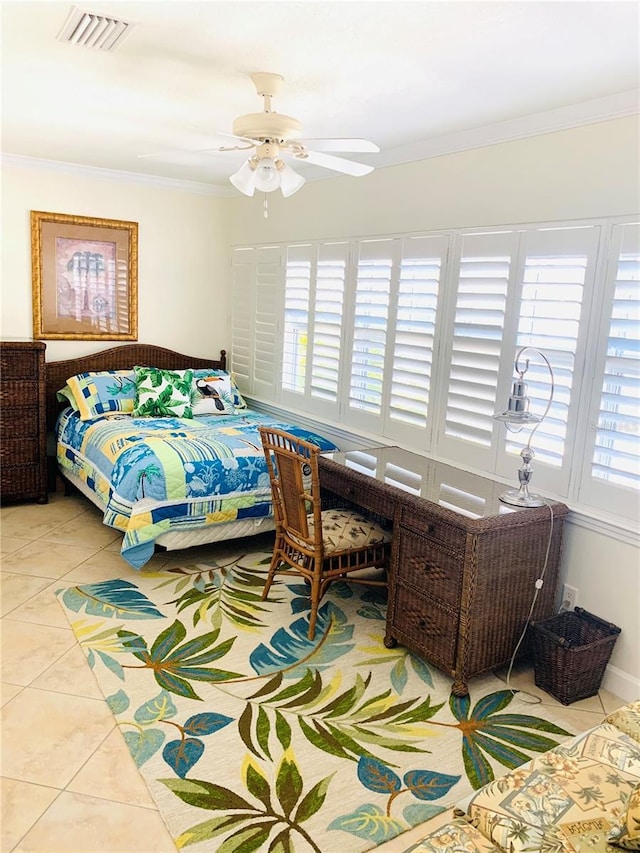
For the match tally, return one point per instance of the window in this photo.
(413, 338)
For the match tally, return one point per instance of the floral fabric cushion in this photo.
(102, 392)
(627, 719)
(162, 393)
(626, 834)
(343, 529)
(457, 835)
(574, 792)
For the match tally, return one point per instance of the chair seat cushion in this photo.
(344, 530)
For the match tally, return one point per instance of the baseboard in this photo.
(621, 684)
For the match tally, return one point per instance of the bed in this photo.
(184, 477)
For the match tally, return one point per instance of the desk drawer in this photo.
(429, 567)
(426, 626)
(424, 523)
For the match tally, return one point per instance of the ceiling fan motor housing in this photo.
(267, 126)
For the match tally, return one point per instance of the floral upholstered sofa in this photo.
(581, 796)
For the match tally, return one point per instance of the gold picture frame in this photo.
(85, 278)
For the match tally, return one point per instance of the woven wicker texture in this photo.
(295, 487)
(571, 652)
(23, 460)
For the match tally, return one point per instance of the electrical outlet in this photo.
(569, 597)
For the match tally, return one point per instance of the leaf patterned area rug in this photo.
(251, 737)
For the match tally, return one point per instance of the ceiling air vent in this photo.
(92, 30)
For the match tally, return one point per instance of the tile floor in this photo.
(69, 784)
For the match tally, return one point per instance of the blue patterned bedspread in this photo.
(155, 475)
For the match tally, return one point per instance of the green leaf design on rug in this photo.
(228, 587)
(116, 599)
(295, 745)
(174, 665)
(500, 736)
(282, 805)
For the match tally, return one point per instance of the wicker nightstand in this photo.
(23, 459)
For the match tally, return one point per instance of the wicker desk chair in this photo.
(320, 545)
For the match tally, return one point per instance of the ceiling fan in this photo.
(272, 135)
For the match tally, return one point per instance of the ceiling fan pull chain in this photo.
(266, 206)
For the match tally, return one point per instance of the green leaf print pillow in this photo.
(163, 393)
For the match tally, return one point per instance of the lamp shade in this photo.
(290, 180)
(267, 176)
(245, 178)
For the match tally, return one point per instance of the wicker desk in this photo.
(463, 566)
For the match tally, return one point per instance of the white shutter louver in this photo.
(297, 297)
(480, 309)
(553, 280)
(328, 319)
(616, 456)
(417, 302)
(371, 308)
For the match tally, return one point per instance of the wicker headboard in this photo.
(123, 357)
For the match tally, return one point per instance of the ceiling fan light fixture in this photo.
(290, 180)
(245, 178)
(267, 176)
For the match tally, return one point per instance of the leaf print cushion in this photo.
(163, 393)
(101, 392)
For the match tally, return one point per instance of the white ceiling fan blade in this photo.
(338, 164)
(359, 146)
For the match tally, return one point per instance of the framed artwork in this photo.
(85, 278)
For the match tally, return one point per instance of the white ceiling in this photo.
(417, 77)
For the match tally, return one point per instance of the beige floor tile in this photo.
(43, 608)
(47, 737)
(28, 650)
(9, 544)
(106, 565)
(70, 674)
(17, 589)
(85, 529)
(22, 804)
(31, 521)
(44, 558)
(7, 692)
(7, 510)
(79, 824)
(111, 774)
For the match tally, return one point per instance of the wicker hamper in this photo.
(571, 652)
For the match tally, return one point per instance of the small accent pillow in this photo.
(213, 393)
(162, 393)
(102, 392)
(627, 833)
(65, 395)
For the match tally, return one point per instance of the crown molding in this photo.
(621, 105)
(21, 162)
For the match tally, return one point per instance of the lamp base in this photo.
(521, 497)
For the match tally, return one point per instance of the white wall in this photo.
(585, 172)
(183, 269)
(578, 173)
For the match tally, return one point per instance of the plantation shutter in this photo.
(257, 309)
(241, 357)
(299, 271)
(613, 477)
(417, 288)
(328, 321)
(557, 264)
(475, 346)
(369, 328)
